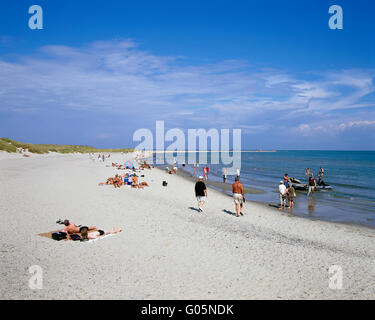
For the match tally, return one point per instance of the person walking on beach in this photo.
(282, 194)
(200, 193)
(194, 166)
(207, 170)
(204, 173)
(238, 195)
(225, 175)
(312, 185)
(238, 172)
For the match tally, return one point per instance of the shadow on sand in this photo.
(229, 212)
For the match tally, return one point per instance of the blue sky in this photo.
(98, 71)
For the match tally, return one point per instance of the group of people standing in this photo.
(206, 170)
(311, 182)
(286, 193)
(101, 157)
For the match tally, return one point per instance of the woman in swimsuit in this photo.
(97, 234)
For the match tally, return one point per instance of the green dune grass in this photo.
(10, 145)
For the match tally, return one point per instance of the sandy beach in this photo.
(167, 249)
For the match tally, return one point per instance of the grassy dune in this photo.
(10, 145)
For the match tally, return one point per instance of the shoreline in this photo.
(222, 188)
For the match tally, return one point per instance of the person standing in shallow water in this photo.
(282, 195)
(238, 195)
(307, 173)
(291, 195)
(312, 185)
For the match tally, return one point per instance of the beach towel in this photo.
(107, 235)
(49, 234)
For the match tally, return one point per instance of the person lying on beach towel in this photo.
(86, 234)
(71, 228)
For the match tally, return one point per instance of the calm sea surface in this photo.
(350, 173)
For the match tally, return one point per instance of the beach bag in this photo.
(59, 236)
(165, 183)
(75, 237)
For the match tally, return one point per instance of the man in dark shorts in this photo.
(200, 193)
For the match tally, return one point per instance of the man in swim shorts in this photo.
(238, 195)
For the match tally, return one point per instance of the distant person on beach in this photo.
(207, 171)
(238, 195)
(194, 166)
(291, 194)
(200, 193)
(282, 194)
(86, 234)
(312, 185)
(238, 172)
(225, 175)
(197, 168)
(204, 173)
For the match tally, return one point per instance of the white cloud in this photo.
(117, 77)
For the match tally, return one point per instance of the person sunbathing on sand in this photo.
(117, 182)
(71, 228)
(134, 181)
(85, 234)
(108, 182)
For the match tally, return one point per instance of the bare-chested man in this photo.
(238, 195)
(71, 228)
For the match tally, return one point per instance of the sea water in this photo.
(350, 173)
